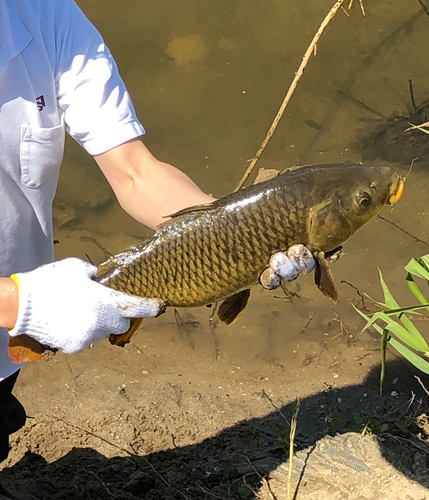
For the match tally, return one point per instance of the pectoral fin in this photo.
(124, 338)
(233, 306)
(323, 277)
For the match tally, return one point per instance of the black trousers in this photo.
(12, 414)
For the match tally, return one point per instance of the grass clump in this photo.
(394, 323)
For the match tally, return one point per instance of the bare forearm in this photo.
(8, 303)
(148, 189)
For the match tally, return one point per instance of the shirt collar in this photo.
(14, 36)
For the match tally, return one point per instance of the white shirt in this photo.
(56, 75)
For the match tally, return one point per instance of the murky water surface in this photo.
(207, 79)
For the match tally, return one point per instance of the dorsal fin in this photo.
(193, 208)
(187, 212)
(292, 168)
(319, 166)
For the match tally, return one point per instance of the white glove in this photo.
(62, 307)
(287, 266)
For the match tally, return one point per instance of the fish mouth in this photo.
(396, 189)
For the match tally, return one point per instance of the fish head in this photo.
(346, 197)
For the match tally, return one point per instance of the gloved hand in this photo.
(287, 266)
(62, 307)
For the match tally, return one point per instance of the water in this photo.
(207, 79)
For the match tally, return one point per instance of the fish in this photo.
(217, 251)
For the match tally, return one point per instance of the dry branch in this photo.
(311, 49)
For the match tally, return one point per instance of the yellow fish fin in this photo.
(233, 306)
(124, 338)
(323, 277)
(188, 212)
(23, 348)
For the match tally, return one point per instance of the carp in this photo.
(217, 251)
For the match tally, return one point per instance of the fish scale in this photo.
(205, 254)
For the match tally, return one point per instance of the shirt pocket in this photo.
(41, 154)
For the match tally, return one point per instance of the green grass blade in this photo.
(384, 340)
(421, 129)
(411, 356)
(400, 310)
(364, 316)
(388, 297)
(416, 342)
(410, 335)
(412, 285)
(407, 339)
(424, 261)
(415, 268)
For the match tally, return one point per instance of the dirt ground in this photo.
(198, 411)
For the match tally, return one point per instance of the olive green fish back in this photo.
(210, 252)
(207, 253)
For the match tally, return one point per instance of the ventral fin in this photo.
(233, 306)
(323, 277)
(125, 338)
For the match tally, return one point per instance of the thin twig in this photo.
(265, 483)
(292, 448)
(415, 238)
(274, 406)
(139, 351)
(414, 127)
(423, 6)
(411, 90)
(361, 295)
(400, 438)
(310, 317)
(421, 383)
(361, 104)
(207, 492)
(97, 244)
(102, 482)
(298, 74)
(361, 6)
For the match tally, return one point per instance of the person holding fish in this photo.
(57, 75)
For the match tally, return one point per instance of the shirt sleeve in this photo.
(97, 108)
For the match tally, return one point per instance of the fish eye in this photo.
(363, 199)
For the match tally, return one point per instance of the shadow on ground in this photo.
(232, 464)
